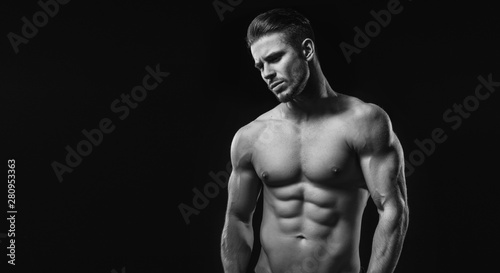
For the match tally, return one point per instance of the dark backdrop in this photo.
(118, 210)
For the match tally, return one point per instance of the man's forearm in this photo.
(236, 245)
(388, 241)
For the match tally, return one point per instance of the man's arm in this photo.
(382, 162)
(243, 191)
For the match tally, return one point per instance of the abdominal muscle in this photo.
(307, 228)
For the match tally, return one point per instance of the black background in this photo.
(119, 207)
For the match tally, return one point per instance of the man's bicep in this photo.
(243, 189)
(380, 154)
(384, 175)
(244, 184)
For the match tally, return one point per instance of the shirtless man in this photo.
(317, 156)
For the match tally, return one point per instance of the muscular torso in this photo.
(314, 193)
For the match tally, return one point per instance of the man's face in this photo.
(284, 70)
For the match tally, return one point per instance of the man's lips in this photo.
(274, 84)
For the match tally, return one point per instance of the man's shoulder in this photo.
(365, 113)
(272, 114)
(253, 128)
(250, 132)
(368, 123)
(371, 125)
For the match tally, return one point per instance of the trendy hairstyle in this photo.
(294, 25)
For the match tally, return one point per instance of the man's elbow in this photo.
(398, 216)
(404, 218)
(243, 217)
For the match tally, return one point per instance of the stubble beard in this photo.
(296, 88)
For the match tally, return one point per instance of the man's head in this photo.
(282, 44)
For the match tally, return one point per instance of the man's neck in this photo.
(312, 99)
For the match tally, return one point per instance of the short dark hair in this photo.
(294, 25)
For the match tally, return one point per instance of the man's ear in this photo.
(308, 49)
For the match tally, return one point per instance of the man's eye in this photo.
(275, 59)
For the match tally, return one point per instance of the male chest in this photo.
(319, 153)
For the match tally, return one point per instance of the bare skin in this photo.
(317, 157)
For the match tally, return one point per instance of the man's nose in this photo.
(268, 73)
